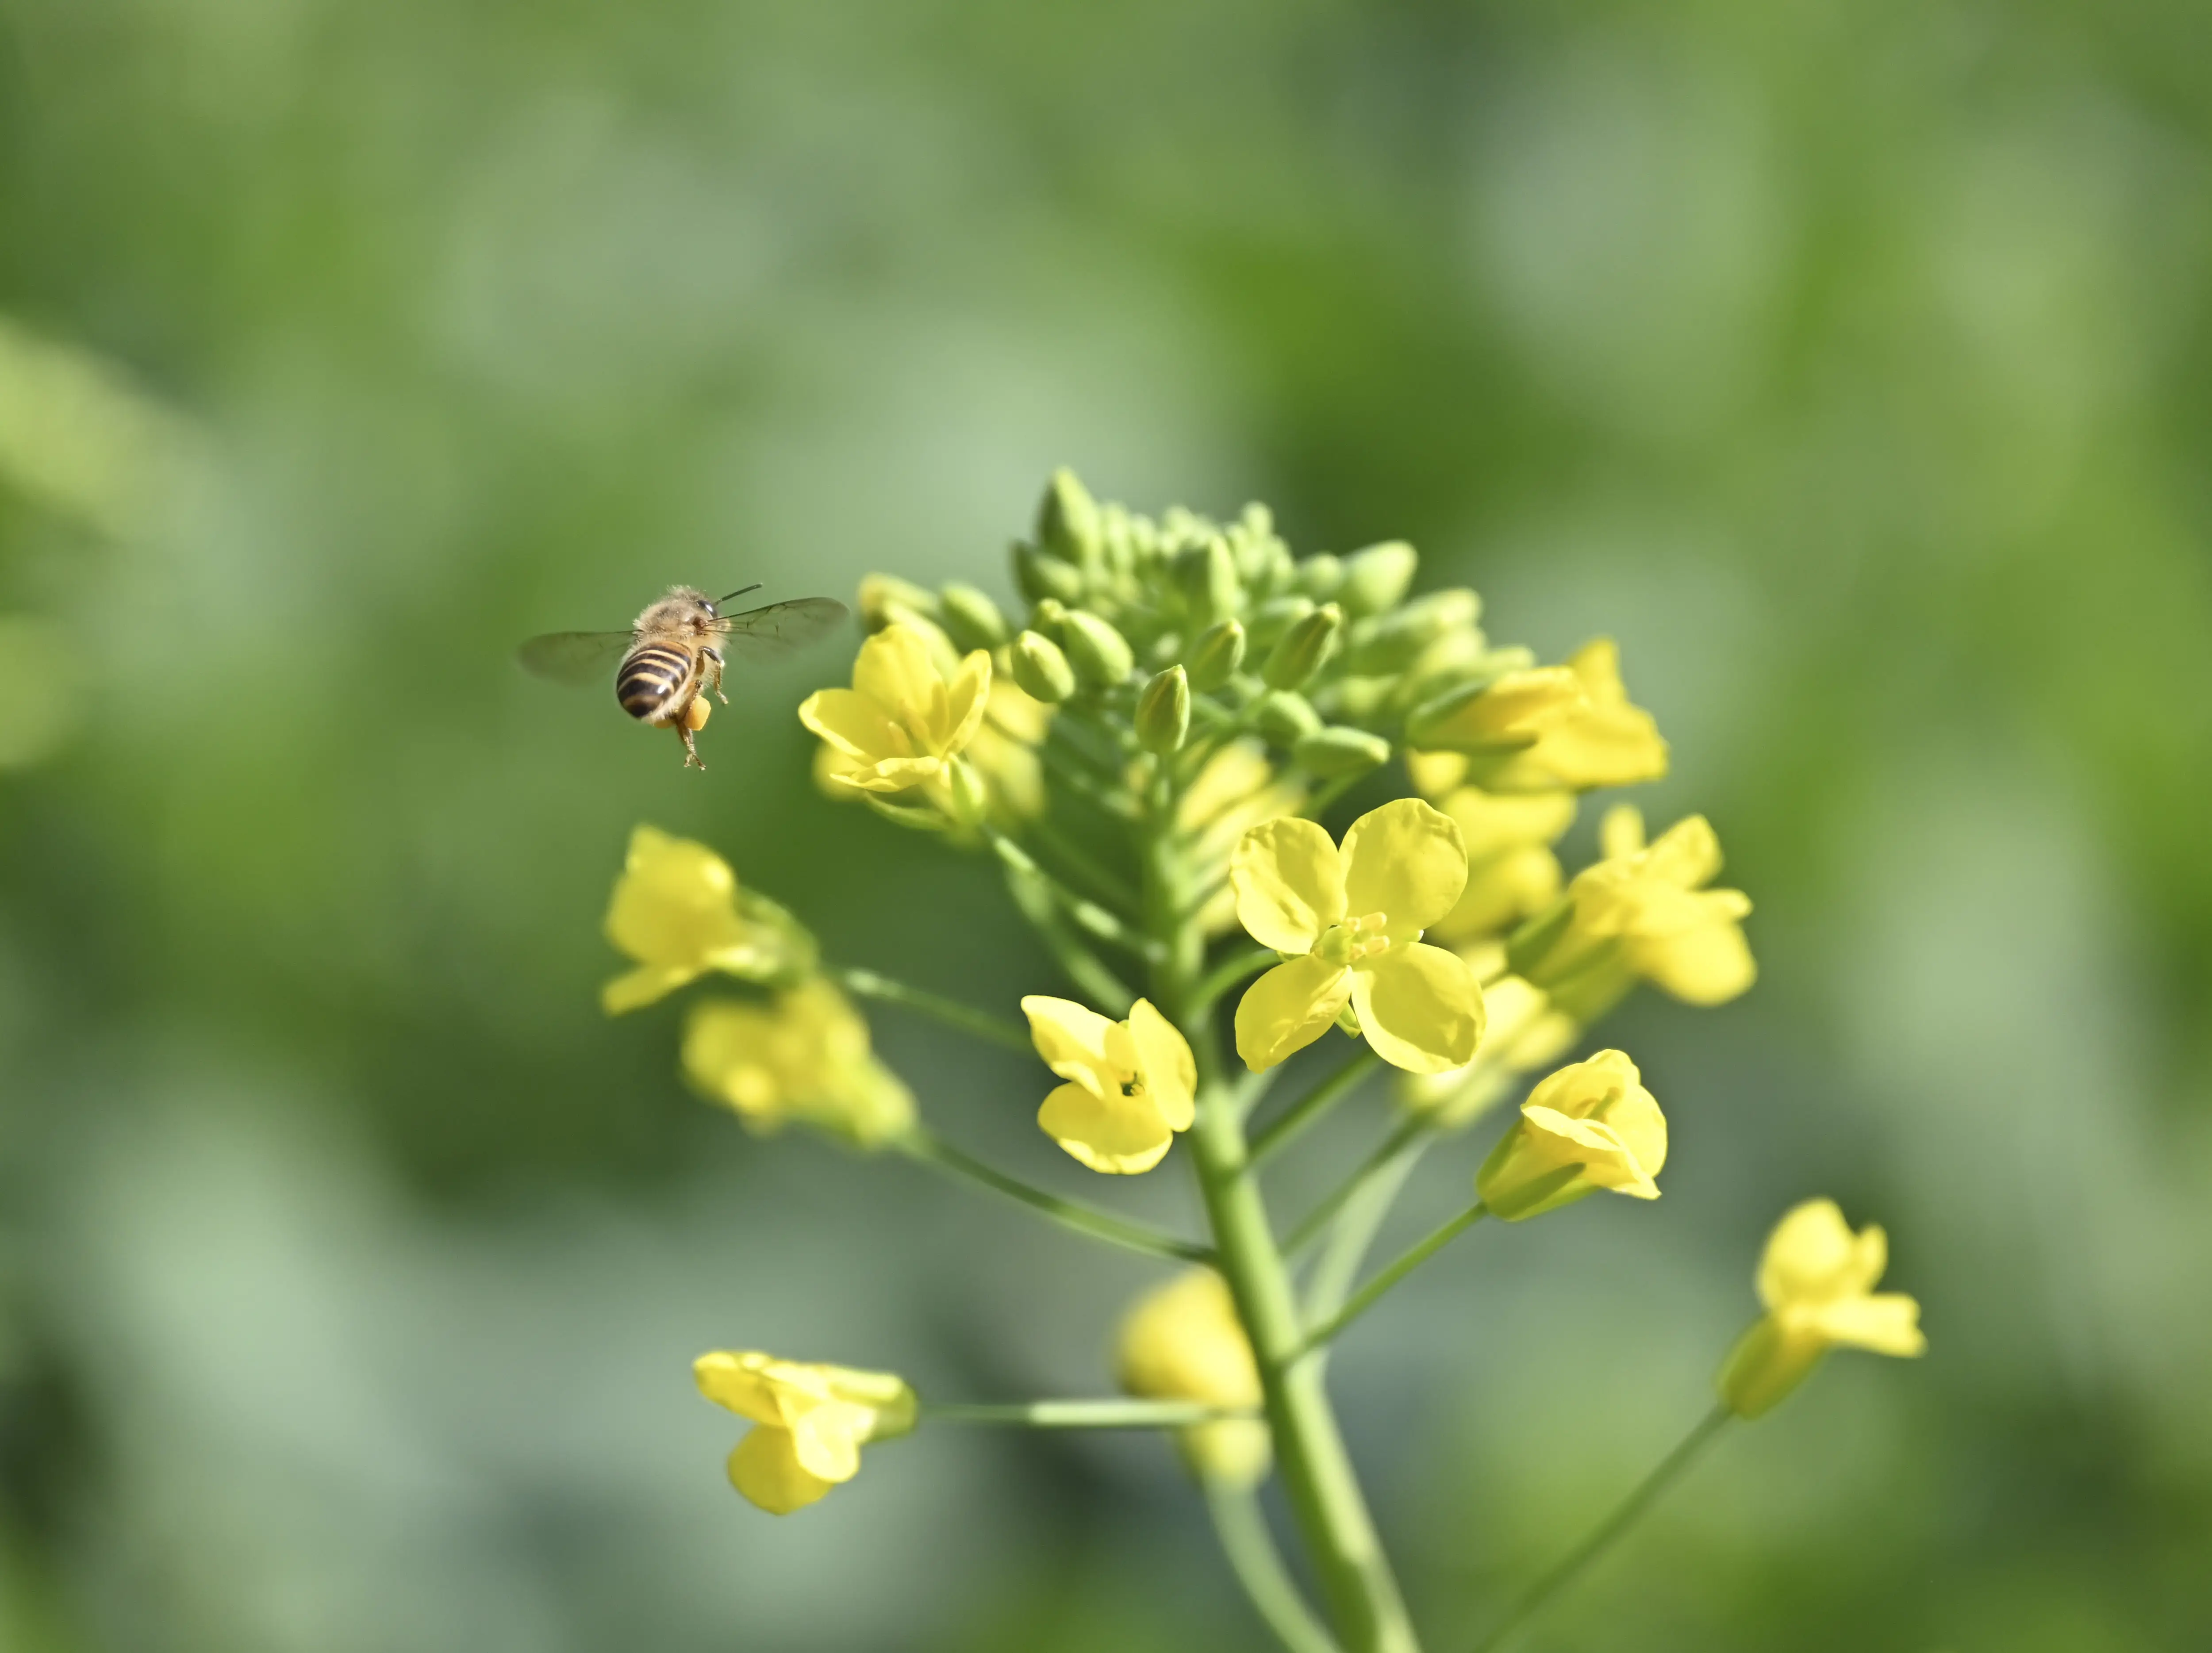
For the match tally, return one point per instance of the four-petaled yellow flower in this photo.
(813, 1420)
(1643, 911)
(1349, 925)
(804, 1056)
(1817, 1280)
(1550, 728)
(677, 911)
(1131, 1084)
(1511, 872)
(1182, 1341)
(1590, 1126)
(903, 721)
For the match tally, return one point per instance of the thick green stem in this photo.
(1080, 1414)
(1324, 1495)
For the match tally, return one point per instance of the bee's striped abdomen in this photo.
(651, 678)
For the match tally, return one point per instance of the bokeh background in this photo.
(1853, 364)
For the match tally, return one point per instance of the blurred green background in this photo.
(1851, 363)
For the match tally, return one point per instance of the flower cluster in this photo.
(1182, 750)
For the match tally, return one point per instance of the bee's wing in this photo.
(572, 657)
(766, 633)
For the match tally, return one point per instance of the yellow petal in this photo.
(1709, 965)
(966, 701)
(737, 1379)
(1288, 1008)
(728, 1054)
(1620, 835)
(1489, 823)
(1516, 711)
(1813, 1256)
(1687, 855)
(1597, 664)
(675, 903)
(826, 1439)
(765, 1467)
(1074, 1040)
(1289, 882)
(1406, 861)
(642, 986)
(1887, 1322)
(1117, 1135)
(1606, 1161)
(853, 724)
(894, 669)
(1419, 1007)
(1164, 1058)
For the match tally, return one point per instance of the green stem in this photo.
(1083, 967)
(1404, 1135)
(1242, 1527)
(1536, 1596)
(1071, 1214)
(1318, 1479)
(1352, 1232)
(1231, 970)
(1279, 1132)
(866, 984)
(1371, 1293)
(1081, 1414)
(1104, 885)
(1086, 914)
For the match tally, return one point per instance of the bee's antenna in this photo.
(740, 591)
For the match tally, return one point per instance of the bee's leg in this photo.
(713, 673)
(691, 760)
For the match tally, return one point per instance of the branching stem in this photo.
(982, 1025)
(1371, 1293)
(1071, 1214)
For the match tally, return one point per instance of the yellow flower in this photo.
(1816, 1279)
(1182, 1341)
(903, 721)
(1235, 790)
(813, 1420)
(1522, 1031)
(677, 911)
(1511, 872)
(1131, 1084)
(805, 1056)
(1549, 728)
(1590, 1126)
(1349, 925)
(1644, 911)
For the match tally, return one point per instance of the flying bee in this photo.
(671, 653)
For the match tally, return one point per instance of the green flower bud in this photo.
(1318, 577)
(1041, 670)
(1207, 575)
(1277, 615)
(1393, 641)
(971, 798)
(1163, 711)
(1376, 578)
(1215, 658)
(1100, 654)
(1304, 648)
(1340, 750)
(884, 596)
(1285, 718)
(1067, 522)
(1040, 575)
(971, 619)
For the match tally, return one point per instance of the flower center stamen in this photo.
(1353, 940)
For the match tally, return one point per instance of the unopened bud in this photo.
(1304, 648)
(1378, 578)
(1285, 718)
(1217, 655)
(1040, 575)
(971, 619)
(1068, 521)
(1100, 654)
(1163, 711)
(1319, 576)
(1042, 669)
(970, 798)
(1275, 617)
(1335, 752)
(1207, 575)
(1393, 641)
(882, 595)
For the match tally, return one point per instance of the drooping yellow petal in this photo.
(1419, 1006)
(1288, 1008)
(1118, 1135)
(1289, 881)
(1406, 861)
(765, 1467)
(1887, 1322)
(1164, 1061)
(1073, 1041)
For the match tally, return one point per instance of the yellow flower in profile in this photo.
(1548, 728)
(812, 1421)
(678, 913)
(1645, 909)
(1131, 1085)
(803, 1056)
(1817, 1280)
(1182, 1341)
(1590, 1126)
(1235, 790)
(903, 721)
(1349, 925)
(1511, 872)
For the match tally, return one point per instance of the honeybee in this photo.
(671, 653)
